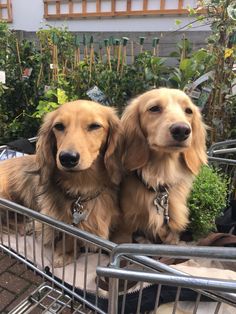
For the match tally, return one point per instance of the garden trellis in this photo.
(61, 9)
(5, 10)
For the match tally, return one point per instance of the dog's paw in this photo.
(60, 260)
(171, 238)
(168, 236)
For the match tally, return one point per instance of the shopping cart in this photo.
(128, 278)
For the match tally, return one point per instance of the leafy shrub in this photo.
(207, 200)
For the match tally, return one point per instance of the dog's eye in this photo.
(94, 126)
(188, 111)
(59, 126)
(155, 109)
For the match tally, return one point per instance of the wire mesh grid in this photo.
(107, 278)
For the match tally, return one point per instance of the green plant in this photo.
(191, 66)
(220, 111)
(207, 200)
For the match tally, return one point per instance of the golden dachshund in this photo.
(74, 174)
(163, 149)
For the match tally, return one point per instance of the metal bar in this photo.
(157, 298)
(223, 160)
(90, 305)
(224, 151)
(59, 225)
(221, 253)
(197, 303)
(172, 280)
(221, 144)
(154, 265)
(139, 298)
(176, 299)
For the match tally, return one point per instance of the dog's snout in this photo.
(180, 131)
(69, 159)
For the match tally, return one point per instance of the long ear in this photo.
(135, 147)
(46, 148)
(196, 155)
(112, 158)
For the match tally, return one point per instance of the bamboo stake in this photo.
(118, 55)
(125, 40)
(154, 45)
(91, 58)
(141, 42)
(85, 47)
(18, 56)
(132, 52)
(100, 52)
(106, 41)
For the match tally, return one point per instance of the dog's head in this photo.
(72, 137)
(163, 120)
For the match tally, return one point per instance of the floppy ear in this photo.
(46, 148)
(196, 155)
(135, 150)
(112, 154)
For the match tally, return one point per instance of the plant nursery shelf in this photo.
(74, 9)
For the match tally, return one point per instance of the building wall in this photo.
(28, 16)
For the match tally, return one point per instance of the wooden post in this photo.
(162, 4)
(84, 6)
(98, 6)
(128, 7)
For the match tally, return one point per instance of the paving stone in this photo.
(6, 262)
(13, 283)
(18, 268)
(32, 277)
(21, 298)
(6, 298)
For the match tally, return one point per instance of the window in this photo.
(62, 9)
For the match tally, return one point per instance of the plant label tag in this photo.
(97, 95)
(47, 88)
(195, 94)
(26, 73)
(3, 77)
(51, 66)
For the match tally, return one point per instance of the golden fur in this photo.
(151, 152)
(42, 183)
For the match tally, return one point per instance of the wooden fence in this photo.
(72, 9)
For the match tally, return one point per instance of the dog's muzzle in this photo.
(69, 159)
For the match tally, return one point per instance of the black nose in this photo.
(180, 131)
(69, 159)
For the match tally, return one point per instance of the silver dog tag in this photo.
(158, 207)
(79, 216)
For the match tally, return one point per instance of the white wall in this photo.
(28, 16)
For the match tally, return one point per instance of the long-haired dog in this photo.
(74, 174)
(164, 148)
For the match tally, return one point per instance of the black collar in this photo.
(159, 188)
(79, 213)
